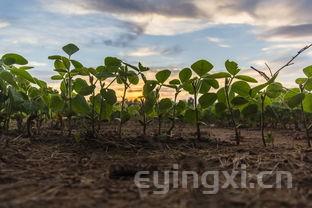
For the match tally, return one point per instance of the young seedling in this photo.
(178, 84)
(63, 65)
(234, 95)
(163, 105)
(196, 86)
(302, 98)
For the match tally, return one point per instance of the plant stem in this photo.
(70, 102)
(173, 113)
(122, 110)
(232, 114)
(304, 120)
(262, 119)
(196, 113)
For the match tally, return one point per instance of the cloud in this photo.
(218, 41)
(4, 24)
(163, 17)
(37, 64)
(147, 51)
(290, 32)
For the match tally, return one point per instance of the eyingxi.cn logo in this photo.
(211, 181)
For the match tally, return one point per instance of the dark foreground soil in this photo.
(51, 170)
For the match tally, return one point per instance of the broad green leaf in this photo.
(112, 62)
(180, 107)
(185, 75)
(8, 77)
(296, 100)
(56, 103)
(207, 99)
(301, 80)
(232, 67)
(242, 88)
(23, 74)
(163, 75)
(213, 83)
(220, 107)
(13, 58)
(190, 116)
(148, 87)
(246, 78)
(307, 103)
(133, 78)
(175, 82)
(70, 49)
(220, 75)
(274, 90)
(80, 105)
(308, 71)
(109, 95)
(308, 85)
(201, 67)
(164, 105)
(76, 64)
(204, 86)
(57, 77)
(237, 101)
(250, 110)
(82, 87)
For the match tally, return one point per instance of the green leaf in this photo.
(213, 83)
(13, 58)
(201, 67)
(109, 95)
(82, 87)
(175, 82)
(57, 77)
(164, 105)
(237, 101)
(8, 77)
(204, 86)
(250, 110)
(301, 80)
(142, 68)
(246, 78)
(70, 49)
(295, 100)
(56, 103)
(23, 74)
(148, 87)
(220, 75)
(220, 107)
(308, 71)
(133, 78)
(232, 67)
(185, 75)
(241, 88)
(190, 116)
(307, 103)
(308, 85)
(274, 90)
(112, 62)
(80, 105)
(207, 99)
(76, 64)
(163, 75)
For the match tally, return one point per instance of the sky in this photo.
(169, 34)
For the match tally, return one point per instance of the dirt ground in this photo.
(51, 170)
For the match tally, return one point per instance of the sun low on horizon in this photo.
(160, 34)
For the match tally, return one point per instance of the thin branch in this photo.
(269, 69)
(261, 73)
(290, 62)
